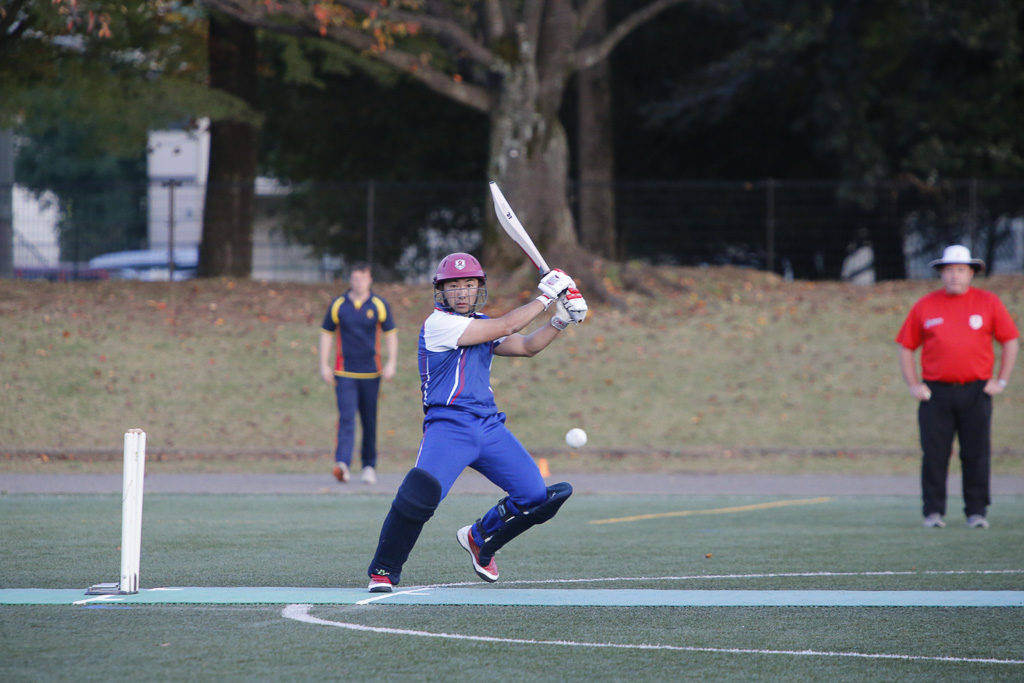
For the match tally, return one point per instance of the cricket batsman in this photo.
(462, 426)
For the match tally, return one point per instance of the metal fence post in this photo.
(972, 212)
(370, 192)
(170, 185)
(769, 225)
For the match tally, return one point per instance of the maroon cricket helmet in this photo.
(456, 266)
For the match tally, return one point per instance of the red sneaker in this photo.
(488, 572)
(340, 472)
(380, 584)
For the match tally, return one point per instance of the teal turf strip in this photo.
(513, 596)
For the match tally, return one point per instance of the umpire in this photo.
(955, 326)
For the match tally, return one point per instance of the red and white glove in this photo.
(555, 282)
(575, 305)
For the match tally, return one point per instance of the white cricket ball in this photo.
(576, 437)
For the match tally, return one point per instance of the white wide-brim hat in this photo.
(957, 253)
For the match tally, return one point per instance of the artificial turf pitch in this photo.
(724, 587)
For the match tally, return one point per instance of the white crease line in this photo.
(301, 613)
(120, 597)
(422, 590)
(100, 598)
(695, 577)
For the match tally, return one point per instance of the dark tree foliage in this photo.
(334, 122)
(330, 119)
(662, 133)
(856, 89)
(81, 84)
(890, 97)
(101, 197)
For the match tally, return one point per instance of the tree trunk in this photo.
(887, 236)
(6, 204)
(229, 212)
(596, 152)
(530, 161)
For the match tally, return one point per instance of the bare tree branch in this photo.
(593, 54)
(493, 19)
(533, 15)
(584, 14)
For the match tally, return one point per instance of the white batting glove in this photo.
(561, 319)
(555, 282)
(575, 305)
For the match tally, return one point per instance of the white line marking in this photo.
(119, 598)
(696, 577)
(384, 596)
(100, 598)
(301, 613)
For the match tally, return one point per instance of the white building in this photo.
(177, 162)
(35, 229)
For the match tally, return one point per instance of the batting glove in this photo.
(555, 282)
(575, 305)
(561, 319)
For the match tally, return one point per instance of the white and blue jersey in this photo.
(453, 375)
(462, 426)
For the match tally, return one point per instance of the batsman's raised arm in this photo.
(482, 330)
(570, 309)
(519, 345)
(459, 292)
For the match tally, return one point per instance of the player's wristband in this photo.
(558, 323)
(1002, 383)
(546, 300)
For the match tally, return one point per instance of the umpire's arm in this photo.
(908, 367)
(997, 384)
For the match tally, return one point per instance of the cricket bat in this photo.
(514, 229)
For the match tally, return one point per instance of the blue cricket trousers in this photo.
(454, 439)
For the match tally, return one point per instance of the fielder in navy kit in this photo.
(462, 426)
(355, 324)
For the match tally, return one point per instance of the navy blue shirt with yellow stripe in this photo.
(357, 331)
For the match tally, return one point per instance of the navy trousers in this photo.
(357, 395)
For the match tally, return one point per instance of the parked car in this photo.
(149, 264)
(62, 273)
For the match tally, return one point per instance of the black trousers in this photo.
(964, 410)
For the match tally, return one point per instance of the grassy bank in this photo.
(719, 366)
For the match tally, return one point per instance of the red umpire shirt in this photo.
(956, 332)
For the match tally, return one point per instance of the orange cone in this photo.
(542, 464)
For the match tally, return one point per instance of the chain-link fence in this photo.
(801, 229)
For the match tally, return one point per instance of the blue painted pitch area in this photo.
(515, 596)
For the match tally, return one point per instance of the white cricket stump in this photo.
(131, 517)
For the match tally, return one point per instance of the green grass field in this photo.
(846, 543)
